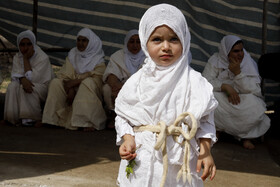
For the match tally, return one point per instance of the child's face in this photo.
(164, 46)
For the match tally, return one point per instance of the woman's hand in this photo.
(26, 85)
(232, 94)
(70, 96)
(128, 148)
(28, 54)
(116, 89)
(68, 84)
(234, 66)
(26, 57)
(206, 160)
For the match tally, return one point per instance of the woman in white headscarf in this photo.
(121, 66)
(31, 74)
(75, 96)
(236, 81)
(165, 110)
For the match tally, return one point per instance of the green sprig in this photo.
(129, 167)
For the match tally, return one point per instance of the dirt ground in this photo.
(55, 157)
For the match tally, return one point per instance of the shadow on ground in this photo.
(30, 151)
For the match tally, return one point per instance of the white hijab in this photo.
(156, 93)
(132, 61)
(30, 35)
(220, 60)
(85, 61)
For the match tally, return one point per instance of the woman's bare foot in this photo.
(5, 123)
(38, 124)
(247, 144)
(2, 123)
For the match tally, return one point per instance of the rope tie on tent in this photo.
(162, 131)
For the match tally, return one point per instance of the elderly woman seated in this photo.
(75, 96)
(236, 81)
(31, 74)
(121, 66)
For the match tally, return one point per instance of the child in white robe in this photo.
(157, 107)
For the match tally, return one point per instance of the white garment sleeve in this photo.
(122, 127)
(207, 128)
(246, 84)
(28, 75)
(211, 74)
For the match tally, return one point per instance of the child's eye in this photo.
(174, 39)
(156, 40)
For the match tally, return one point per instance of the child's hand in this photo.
(128, 147)
(205, 159)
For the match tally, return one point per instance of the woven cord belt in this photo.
(174, 130)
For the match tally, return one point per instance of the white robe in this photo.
(86, 109)
(245, 120)
(22, 105)
(156, 93)
(117, 67)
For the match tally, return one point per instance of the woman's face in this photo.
(237, 52)
(25, 45)
(133, 44)
(82, 43)
(164, 46)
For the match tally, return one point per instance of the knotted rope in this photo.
(163, 131)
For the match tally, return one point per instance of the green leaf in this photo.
(129, 167)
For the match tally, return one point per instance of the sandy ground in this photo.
(55, 157)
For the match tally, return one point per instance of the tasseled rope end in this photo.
(179, 175)
(185, 175)
(189, 176)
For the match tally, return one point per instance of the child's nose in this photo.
(165, 45)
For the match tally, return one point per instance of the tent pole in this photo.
(264, 27)
(35, 15)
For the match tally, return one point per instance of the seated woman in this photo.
(236, 81)
(122, 65)
(31, 74)
(75, 96)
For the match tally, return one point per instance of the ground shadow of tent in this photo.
(29, 151)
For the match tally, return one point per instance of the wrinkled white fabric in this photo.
(248, 118)
(132, 61)
(18, 103)
(162, 93)
(85, 61)
(156, 93)
(220, 60)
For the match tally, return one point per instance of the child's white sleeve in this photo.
(207, 128)
(122, 127)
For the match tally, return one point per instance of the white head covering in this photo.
(132, 61)
(156, 93)
(220, 60)
(30, 35)
(85, 61)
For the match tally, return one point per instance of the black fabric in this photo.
(268, 65)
